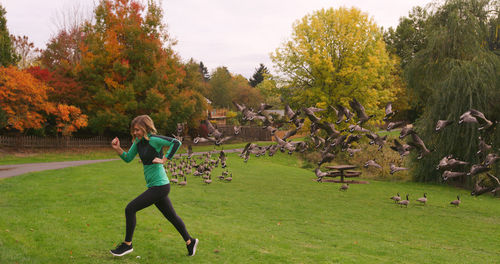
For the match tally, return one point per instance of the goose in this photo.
(481, 119)
(174, 179)
(353, 128)
(184, 182)
(456, 202)
(360, 111)
(423, 200)
(418, 143)
(490, 159)
(376, 139)
(388, 112)
(395, 169)
(372, 163)
(343, 111)
(396, 198)
(467, 117)
(326, 157)
(405, 131)
(404, 202)
(230, 178)
(344, 187)
(352, 151)
(483, 147)
(290, 113)
(320, 174)
(452, 174)
(479, 189)
(209, 180)
(237, 130)
(477, 169)
(443, 163)
(441, 124)
(403, 150)
(309, 111)
(393, 125)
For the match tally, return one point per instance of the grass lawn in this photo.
(272, 212)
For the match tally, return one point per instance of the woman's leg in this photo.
(147, 198)
(166, 208)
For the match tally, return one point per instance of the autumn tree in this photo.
(24, 102)
(335, 55)
(7, 53)
(129, 68)
(244, 93)
(456, 71)
(258, 76)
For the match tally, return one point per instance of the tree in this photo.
(204, 72)
(24, 102)
(221, 88)
(258, 76)
(7, 53)
(333, 56)
(129, 68)
(26, 51)
(23, 98)
(455, 72)
(242, 92)
(409, 37)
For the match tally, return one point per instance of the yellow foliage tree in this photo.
(335, 55)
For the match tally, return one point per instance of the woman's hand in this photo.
(115, 143)
(159, 161)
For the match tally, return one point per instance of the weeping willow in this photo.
(458, 70)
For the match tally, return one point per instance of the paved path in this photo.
(18, 169)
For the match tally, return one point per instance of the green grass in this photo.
(272, 212)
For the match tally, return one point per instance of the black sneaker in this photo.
(192, 246)
(122, 249)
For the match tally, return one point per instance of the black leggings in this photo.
(157, 195)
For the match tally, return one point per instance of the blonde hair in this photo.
(144, 123)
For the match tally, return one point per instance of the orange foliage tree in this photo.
(25, 101)
(129, 68)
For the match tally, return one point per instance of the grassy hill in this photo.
(272, 212)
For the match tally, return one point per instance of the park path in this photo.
(18, 169)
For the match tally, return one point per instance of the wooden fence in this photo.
(53, 142)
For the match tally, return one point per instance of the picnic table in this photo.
(344, 171)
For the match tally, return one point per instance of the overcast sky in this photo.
(237, 34)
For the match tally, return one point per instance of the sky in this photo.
(238, 34)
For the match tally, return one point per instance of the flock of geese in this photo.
(183, 165)
(329, 142)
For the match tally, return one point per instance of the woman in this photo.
(149, 146)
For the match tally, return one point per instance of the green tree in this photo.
(333, 56)
(7, 52)
(204, 72)
(455, 72)
(258, 76)
(221, 88)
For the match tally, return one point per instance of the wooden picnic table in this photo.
(342, 171)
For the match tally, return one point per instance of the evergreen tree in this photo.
(258, 76)
(204, 72)
(7, 53)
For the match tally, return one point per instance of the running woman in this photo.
(149, 146)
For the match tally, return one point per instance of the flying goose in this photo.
(477, 169)
(490, 159)
(360, 111)
(395, 169)
(394, 125)
(372, 163)
(452, 174)
(388, 112)
(343, 111)
(441, 124)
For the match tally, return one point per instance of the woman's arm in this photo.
(158, 142)
(125, 156)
